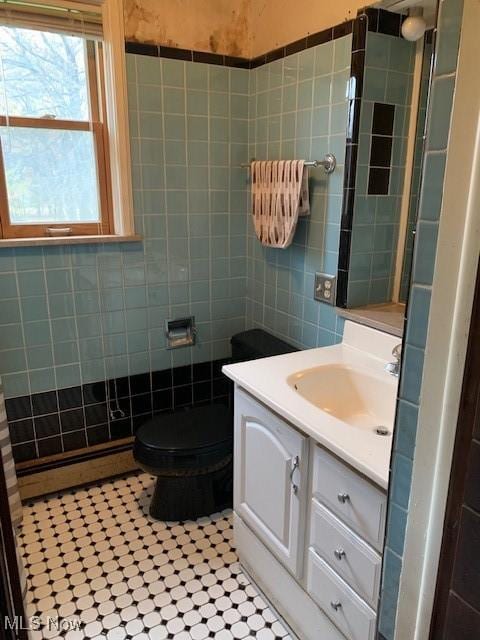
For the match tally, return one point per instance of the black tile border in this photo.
(24, 431)
(381, 145)
(378, 181)
(381, 151)
(142, 48)
(389, 23)
(383, 21)
(383, 119)
(19, 408)
(61, 421)
(357, 71)
(189, 55)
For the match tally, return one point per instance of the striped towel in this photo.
(279, 197)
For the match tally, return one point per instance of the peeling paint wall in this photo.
(277, 22)
(220, 26)
(233, 27)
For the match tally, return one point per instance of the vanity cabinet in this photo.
(270, 479)
(308, 527)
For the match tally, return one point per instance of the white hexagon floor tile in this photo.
(96, 560)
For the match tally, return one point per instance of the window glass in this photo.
(42, 75)
(50, 175)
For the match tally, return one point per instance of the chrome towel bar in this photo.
(328, 163)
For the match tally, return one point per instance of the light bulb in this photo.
(413, 28)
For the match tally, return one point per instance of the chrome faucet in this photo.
(393, 368)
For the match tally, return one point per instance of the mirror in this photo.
(406, 260)
(383, 165)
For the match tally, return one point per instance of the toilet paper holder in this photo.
(180, 332)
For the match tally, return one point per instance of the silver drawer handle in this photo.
(296, 464)
(343, 497)
(339, 554)
(336, 605)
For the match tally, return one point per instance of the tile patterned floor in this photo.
(94, 556)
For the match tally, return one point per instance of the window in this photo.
(55, 148)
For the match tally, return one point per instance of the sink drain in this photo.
(382, 431)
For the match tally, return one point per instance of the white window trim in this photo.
(118, 128)
(117, 116)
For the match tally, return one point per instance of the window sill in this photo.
(45, 241)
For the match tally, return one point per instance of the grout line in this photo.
(188, 238)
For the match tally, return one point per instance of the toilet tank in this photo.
(257, 343)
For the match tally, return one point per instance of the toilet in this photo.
(190, 451)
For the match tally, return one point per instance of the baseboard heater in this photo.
(72, 457)
(82, 466)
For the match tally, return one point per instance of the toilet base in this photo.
(190, 495)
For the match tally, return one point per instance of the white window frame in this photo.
(117, 115)
(118, 126)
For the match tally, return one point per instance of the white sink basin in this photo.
(351, 395)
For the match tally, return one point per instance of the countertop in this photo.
(363, 349)
(388, 317)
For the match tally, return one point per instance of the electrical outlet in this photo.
(325, 286)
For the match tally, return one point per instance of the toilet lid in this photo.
(194, 429)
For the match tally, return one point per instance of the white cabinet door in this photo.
(270, 479)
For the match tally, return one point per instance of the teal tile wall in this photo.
(77, 314)
(438, 127)
(298, 109)
(389, 63)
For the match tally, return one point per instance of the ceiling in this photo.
(401, 6)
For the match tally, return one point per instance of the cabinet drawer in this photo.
(354, 499)
(349, 555)
(342, 605)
